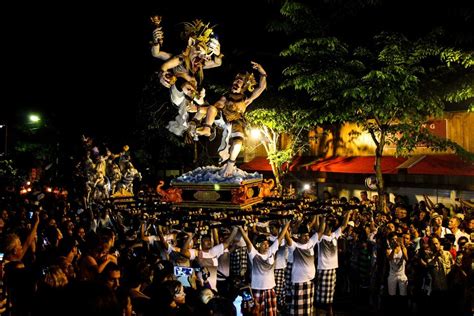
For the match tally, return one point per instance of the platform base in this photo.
(222, 196)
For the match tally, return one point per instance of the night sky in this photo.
(81, 62)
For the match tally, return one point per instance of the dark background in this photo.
(83, 65)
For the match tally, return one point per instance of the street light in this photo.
(34, 118)
(3, 130)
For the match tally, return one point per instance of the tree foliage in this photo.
(278, 117)
(390, 87)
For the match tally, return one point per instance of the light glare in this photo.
(255, 133)
(34, 118)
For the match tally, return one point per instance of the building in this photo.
(342, 158)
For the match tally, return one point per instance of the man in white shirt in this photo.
(453, 225)
(263, 278)
(208, 256)
(238, 258)
(280, 265)
(303, 271)
(154, 240)
(328, 261)
(436, 227)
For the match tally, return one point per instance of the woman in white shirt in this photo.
(397, 258)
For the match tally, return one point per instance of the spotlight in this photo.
(255, 133)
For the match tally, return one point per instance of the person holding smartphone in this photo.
(262, 260)
(397, 256)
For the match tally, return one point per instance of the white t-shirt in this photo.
(444, 230)
(224, 264)
(290, 255)
(327, 251)
(282, 254)
(263, 276)
(397, 264)
(457, 235)
(209, 259)
(239, 240)
(169, 238)
(303, 260)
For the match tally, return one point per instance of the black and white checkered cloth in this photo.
(238, 262)
(288, 284)
(280, 288)
(286, 307)
(326, 286)
(303, 299)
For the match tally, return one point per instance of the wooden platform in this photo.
(222, 195)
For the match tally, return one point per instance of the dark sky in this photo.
(81, 62)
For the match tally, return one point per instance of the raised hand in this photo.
(158, 36)
(215, 46)
(157, 32)
(259, 68)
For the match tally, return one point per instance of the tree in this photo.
(390, 88)
(403, 87)
(278, 118)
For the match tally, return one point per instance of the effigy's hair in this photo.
(249, 81)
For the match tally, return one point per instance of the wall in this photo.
(348, 140)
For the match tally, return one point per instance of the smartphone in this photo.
(182, 271)
(1, 256)
(246, 293)
(30, 215)
(182, 275)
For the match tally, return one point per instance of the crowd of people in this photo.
(62, 259)
(82, 255)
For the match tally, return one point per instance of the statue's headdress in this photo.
(200, 33)
(249, 81)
